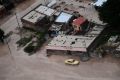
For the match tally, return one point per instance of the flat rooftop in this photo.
(33, 17)
(96, 30)
(99, 2)
(63, 17)
(52, 3)
(79, 21)
(45, 10)
(72, 43)
(75, 43)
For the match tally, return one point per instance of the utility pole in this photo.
(17, 20)
(10, 52)
(18, 24)
(9, 49)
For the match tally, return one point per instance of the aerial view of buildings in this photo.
(59, 40)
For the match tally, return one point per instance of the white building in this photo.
(45, 10)
(99, 3)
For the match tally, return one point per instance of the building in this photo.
(112, 43)
(39, 16)
(61, 24)
(64, 18)
(76, 44)
(99, 3)
(52, 3)
(33, 20)
(96, 30)
(45, 10)
(80, 24)
(113, 46)
(70, 43)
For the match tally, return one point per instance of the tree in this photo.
(109, 13)
(1, 35)
(7, 4)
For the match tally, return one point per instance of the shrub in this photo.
(29, 49)
(24, 41)
(32, 48)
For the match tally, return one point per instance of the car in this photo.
(71, 62)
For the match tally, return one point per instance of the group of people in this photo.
(2, 36)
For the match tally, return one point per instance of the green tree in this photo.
(109, 13)
(1, 35)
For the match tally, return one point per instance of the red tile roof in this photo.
(79, 21)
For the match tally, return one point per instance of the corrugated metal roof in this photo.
(33, 17)
(45, 10)
(79, 21)
(63, 17)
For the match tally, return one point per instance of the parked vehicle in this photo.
(71, 62)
